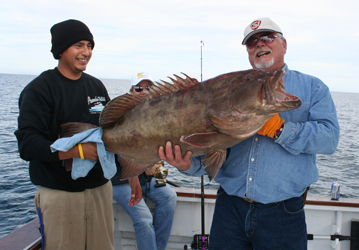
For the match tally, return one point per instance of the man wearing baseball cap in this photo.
(152, 231)
(264, 179)
(74, 214)
(140, 82)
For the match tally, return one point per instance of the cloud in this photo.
(163, 37)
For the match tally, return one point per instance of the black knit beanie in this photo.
(66, 33)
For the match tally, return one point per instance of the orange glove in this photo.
(271, 126)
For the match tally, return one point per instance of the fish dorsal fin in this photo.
(117, 107)
(213, 162)
(121, 104)
(130, 169)
(167, 88)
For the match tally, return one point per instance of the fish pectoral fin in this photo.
(235, 127)
(213, 162)
(200, 140)
(131, 169)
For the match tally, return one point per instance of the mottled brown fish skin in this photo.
(205, 118)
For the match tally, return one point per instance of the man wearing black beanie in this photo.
(75, 214)
(66, 33)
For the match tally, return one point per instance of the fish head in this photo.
(261, 92)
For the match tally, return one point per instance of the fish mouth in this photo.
(274, 97)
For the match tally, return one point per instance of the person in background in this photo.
(151, 232)
(75, 214)
(262, 182)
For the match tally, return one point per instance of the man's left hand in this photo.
(271, 126)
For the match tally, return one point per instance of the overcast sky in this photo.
(163, 37)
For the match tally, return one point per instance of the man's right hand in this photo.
(136, 191)
(89, 149)
(176, 159)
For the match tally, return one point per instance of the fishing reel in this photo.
(161, 175)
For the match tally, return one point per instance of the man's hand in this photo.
(176, 159)
(271, 126)
(89, 149)
(136, 191)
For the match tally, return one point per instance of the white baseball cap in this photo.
(260, 25)
(140, 77)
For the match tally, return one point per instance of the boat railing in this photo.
(28, 236)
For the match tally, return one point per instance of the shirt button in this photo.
(252, 159)
(250, 179)
(256, 139)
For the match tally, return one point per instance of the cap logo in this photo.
(139, 75)
(255, 25)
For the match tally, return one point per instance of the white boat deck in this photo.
(324, 218)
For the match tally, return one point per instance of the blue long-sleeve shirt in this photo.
(268, 170)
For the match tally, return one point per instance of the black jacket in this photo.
(45, 103)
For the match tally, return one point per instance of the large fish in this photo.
(203, 117)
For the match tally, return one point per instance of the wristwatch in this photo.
(278, 132)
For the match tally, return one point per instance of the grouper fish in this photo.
(204, 117)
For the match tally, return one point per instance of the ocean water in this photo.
(17, 192)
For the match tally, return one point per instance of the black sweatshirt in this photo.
(45, 103)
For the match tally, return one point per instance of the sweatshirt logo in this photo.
(95, 104)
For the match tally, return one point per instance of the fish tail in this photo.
(67, 164)
(71, 128)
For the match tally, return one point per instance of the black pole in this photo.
(200, 241)
(202, 204)
(202, 185)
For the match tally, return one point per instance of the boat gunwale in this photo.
(31, 228)
(311, 200)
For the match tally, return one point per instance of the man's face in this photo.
(141, 87)
(73, 61)
(267, 55)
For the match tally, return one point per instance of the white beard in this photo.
(264, 65)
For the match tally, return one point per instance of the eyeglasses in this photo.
(139, 89)
(267, 38)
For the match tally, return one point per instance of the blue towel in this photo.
(80, 168)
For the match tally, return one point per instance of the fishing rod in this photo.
(200, 241)
(202, 184)
(202, 44)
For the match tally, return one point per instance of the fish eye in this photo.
(248, 78)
